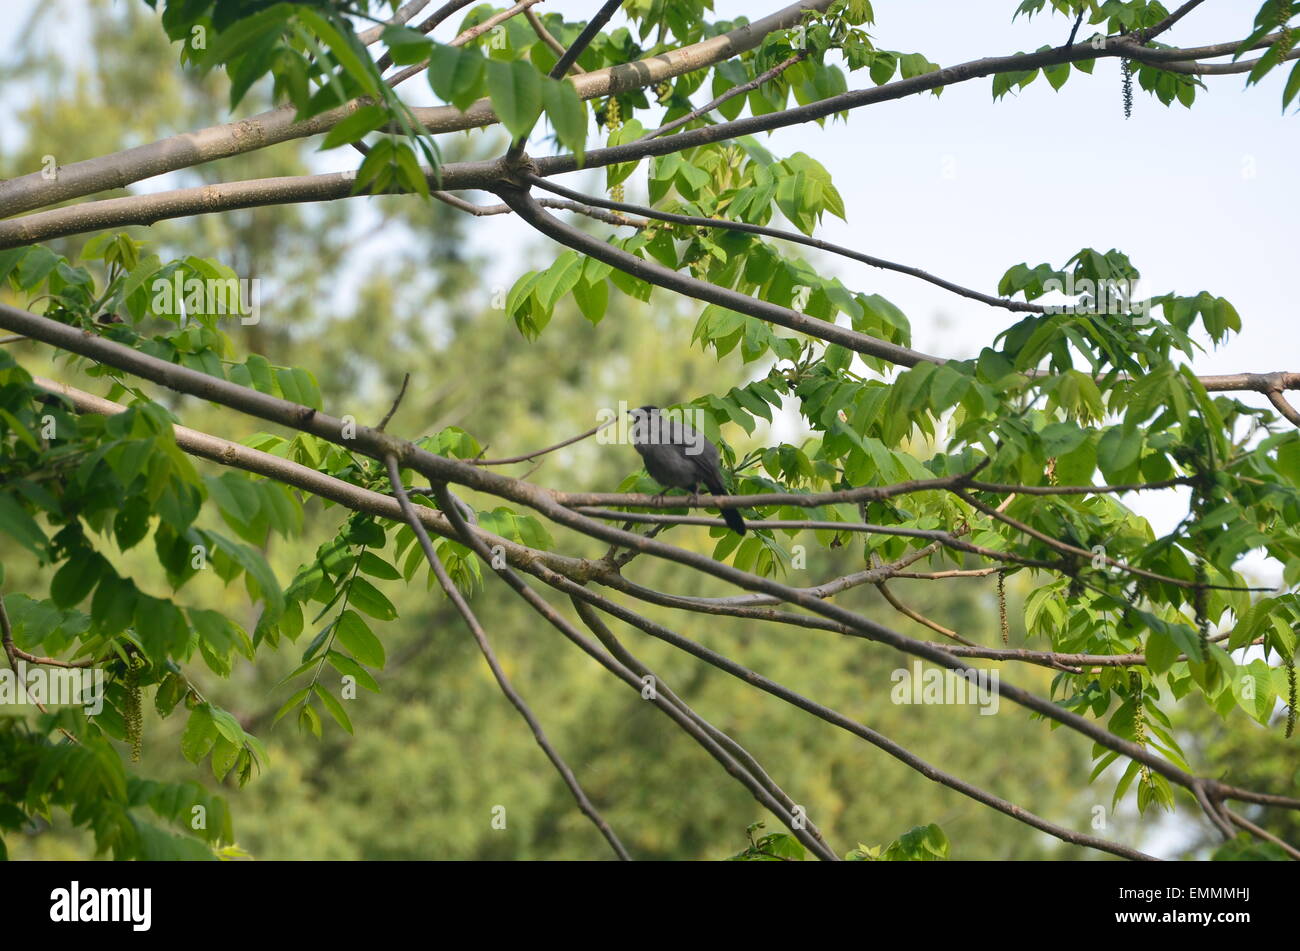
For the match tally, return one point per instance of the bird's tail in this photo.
(733, 520)
(730, 516)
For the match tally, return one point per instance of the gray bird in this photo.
(678, 457)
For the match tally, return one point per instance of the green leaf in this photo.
(376, 567)
(1059, 438)
(1292, 87)
(227, 725)
(456, 75)
(75, 579)
(298, 386)
(516, 91)
(356, 64)
(200, 733)
(309, 721)
(357, 637)
(15, 522)
(350, 668)
(332, 704)
(36, 266)
(292, 702)
(364, 595)
(568, 114)
(1117, 451)
(364, 120)
(1161, 651)
(406, 47)
(559, 279)
(593, 299)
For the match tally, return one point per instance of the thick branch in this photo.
(655, 273)
(120, 169)
(439, 469)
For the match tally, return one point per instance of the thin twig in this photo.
(731, 93)
(1264, 834)
(510, 460)
(406, 378)
(545, 36)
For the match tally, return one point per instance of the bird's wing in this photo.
(706, 460)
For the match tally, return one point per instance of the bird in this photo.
(678, 457)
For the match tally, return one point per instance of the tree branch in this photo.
(879, 740)
(727, 96)
(485, 647)
(792, 236)
(120, 169)
(439, 469)
(655, 273)
(469, 538)
(742, 755)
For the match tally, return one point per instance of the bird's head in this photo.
(643, 412)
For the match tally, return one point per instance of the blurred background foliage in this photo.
(363, 291)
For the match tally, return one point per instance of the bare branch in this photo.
(879, 740)
(406, 378)
(791, 236)
(1194, 68)
(594, 26)
(815, 845)
(541, 452)
(742, 755)
(919, 618)
(485, 647)
(485, 211)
